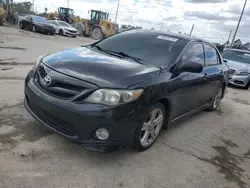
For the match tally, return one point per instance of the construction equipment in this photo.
(2, 15)
(99, 25)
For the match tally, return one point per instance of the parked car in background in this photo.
(107, 95)
(36, 24)
(239, 64)
(63, 28)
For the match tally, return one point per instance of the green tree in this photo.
(24, 7)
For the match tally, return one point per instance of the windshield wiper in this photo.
(138, 60)
(106, 51)
(119, 54)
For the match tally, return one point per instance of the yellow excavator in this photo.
(2, 14)
(98, 26)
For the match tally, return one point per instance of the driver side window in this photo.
(194, 53)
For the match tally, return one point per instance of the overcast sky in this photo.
(212, 18)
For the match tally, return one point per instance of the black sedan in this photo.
(36, 24)
(123, 90)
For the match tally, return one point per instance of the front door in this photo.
(187, 87)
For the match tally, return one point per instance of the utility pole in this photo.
(67, 3)
(191, 30)
(229, 35)
(161, 23)
(118, 4)
(33, 2)
(236, 30)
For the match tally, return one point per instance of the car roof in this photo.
(186, 37)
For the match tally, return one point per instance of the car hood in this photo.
(237, 65)
(100, 69)
(69, 28)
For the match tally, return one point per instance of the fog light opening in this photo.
(102, 134)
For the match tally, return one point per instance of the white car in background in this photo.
(63, 28)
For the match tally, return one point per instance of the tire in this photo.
(216, 99)
(34, 29)
(97, 33)
(21, 25)
(61, 32)
(148, 132)
(247, 86)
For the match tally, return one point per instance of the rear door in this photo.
(213, 72)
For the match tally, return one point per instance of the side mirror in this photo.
(225, 61)
(191, 67)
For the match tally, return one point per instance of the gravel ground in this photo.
(208, 150)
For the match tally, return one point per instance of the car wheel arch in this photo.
(166, 103)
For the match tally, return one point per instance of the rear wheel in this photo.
(97, 33)
(148, 132)
(216, 99)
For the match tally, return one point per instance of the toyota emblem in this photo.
(46, 80)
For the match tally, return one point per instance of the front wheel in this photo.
(247, 86)
(97, 34)
(21, 25)
(216, 99)
(61, 32)
(34, 28)
(148, 132)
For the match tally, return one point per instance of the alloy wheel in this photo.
(34, 28)
(151, 127)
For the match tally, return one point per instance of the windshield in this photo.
(151, 47)
(241, 56)
(103, 16)
(39, 19)
(64, 24)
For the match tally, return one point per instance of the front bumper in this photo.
(78, 122)
(70, 34)
(240, 81)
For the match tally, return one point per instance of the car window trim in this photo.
(188, 47)
(217, 54)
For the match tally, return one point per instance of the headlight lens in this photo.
(113, 97)
(242, 73)
(38, 61)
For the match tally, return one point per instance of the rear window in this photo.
(151, 47)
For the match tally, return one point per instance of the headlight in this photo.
(242, 73)
(113, 97)
(38, 61)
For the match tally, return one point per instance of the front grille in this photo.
(232, 71)
(54, 122)
(60, 85)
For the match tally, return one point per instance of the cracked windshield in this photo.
(124, 94)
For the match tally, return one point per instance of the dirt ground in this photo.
(209, 150)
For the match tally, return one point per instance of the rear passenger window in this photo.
(195, 54)
(211, 56)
